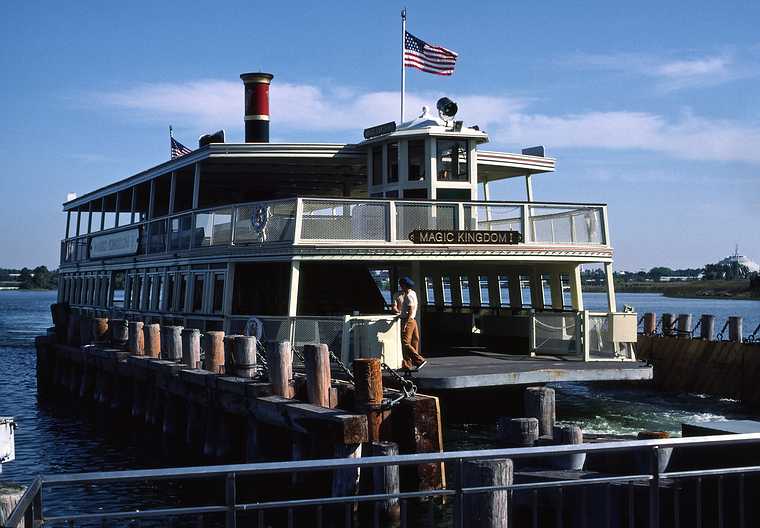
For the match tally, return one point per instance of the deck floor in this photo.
(481, 369)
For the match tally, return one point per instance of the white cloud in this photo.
(301, 108)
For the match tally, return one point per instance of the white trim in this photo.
(295, 268)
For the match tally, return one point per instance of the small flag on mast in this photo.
(176, 148)
(428, 57)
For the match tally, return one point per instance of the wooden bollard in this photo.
(650, 323)
(385, 479)
(668, 324)
(345, 482)
(119, 330)
(60, 313)
(136, 343)
(280, 368)
(564, 435)
(539, 403)
(213, 347)
(229, 354)
(368, 397)
(171, 343)
(245, 356)
(72, 335)
(99, 330)
(487, 509)
(152, 334)
(317, 364)
(10, 495)
(707, 327)
(85, 330)
(518, 432)
(684, 325)
(735, 329)
(191, 347)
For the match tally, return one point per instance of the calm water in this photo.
(62, 439)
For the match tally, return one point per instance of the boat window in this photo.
(504, 299)
(452, 160)
(157, 237)
(159, 304)
(180, 233)
(109, 211)
(124, 199)
(117, 292)
(416, 156)
(485, 296)
(150, 292)
(446, 290)
(161, 190)
(392, 162)
(71, 230)
(142, 201)
(464, 289)
(429, 291)
(567, 294)
(415, 194)
(184, 181)
(525, 291)
(377, 166)
(546, 289)
(222, 227)
(202, 230)
(182, 294)
(382, 278)
(96, 215)
(218, 299)
(198, 283)
(169, 292)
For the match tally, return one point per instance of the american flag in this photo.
(178, 149)
(427, 57)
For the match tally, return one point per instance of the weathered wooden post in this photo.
(280, 365)
(650, 323)
(72, 335)
(518, 432)
(385, 479)
(152, 334)
(10, 495)
(171, 343)
(99, 329)
(368, 397)
(668, 324)
(539, 403)
(136, 343)
(317, 364)
(229, 354)
(564, 435)
(735, 329)
(489, 509)
(191, 347)
(213, 346)
(345, 482)
(119, 330)
(707, 327)
(684, 325)
(245, 356)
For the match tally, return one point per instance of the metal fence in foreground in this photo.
(718, 496)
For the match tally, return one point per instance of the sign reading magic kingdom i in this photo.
(437, 236)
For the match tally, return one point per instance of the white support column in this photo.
(432, 170)
(575, 288)
(392, 227)
(473, 169)
(295, 269)
(557, 301)
(611, 301)
(528, 188)
(196, 184)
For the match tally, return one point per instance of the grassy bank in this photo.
(720, 289)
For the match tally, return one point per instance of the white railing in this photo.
(584, 335)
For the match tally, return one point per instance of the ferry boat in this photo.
(306, 242)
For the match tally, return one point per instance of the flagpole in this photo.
(171, 135)
(403, 70)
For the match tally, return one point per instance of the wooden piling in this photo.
(119, 331)
(707, 327)
(171, 343)
(100, 330)
(213, 347)
(280, 367)
(385, 479)
(229, 354)
(244, 356)
(735, 329)
(518, 432)
(136, 343)
(539, 403)
(684, 325)
(85, 330)
(317, 365)
(60, 313)
(72, 334)
(668, 324)
(650, 323)
(487, 509)
(191, 347)
(565, 435)
(368, 396)
(345, 481)
(10, 495)
(152, 333)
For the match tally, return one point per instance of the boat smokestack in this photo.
(257, 106)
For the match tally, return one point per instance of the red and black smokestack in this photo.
(257, 106)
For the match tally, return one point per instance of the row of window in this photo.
(452, 161)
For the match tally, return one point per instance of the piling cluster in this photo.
(680, 325)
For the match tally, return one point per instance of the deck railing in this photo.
(646, 494)
(370, 222)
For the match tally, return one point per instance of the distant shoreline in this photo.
(698, 289)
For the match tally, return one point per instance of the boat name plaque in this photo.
(115, 244)
(440, 236)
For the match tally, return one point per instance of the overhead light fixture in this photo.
(447, 108)
(206, 139)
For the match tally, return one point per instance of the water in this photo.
(61, 438)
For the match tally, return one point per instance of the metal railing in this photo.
(529, 498)
(374, 222)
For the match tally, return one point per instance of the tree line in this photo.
(39, 278)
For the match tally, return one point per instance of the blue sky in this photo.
(650, 107)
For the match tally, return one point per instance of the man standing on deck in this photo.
(405, 304)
